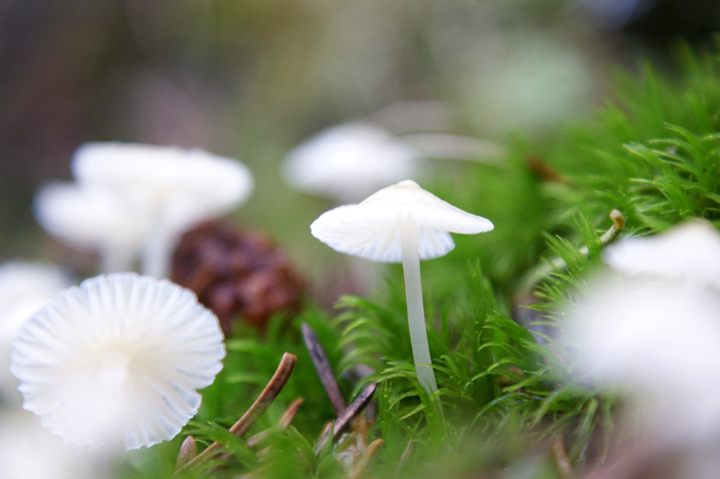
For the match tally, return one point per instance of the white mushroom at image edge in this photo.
(401, 223)
(29, 451)
(350, 161)
(177, 188)
(657, 341)
(689, 251)
(94, 218)
(117, 361)
(24, 288)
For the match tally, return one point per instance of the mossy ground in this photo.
(504, 394)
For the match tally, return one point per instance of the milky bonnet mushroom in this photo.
(348, 162)
(117, 361)
(178, 188)
(96, 218)
(401, 223)
(689, 251)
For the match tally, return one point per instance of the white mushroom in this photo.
(29, 451)
(658, 341)
(118, 360)
(177, 188)
(349, 161)
(95, 218)
(24, 288)
(401, 223)
(690, 251)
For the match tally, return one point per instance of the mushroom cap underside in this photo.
(373, 228)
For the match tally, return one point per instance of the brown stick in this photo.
(342, 420)
(367, 459)
(561, 459)
(324, 370)
(268, 395)
(188, 452)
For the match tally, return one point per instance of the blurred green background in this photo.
(251, 79)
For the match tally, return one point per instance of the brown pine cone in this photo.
(236, 273)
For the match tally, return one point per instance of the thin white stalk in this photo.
(409, 244)
(157, 254)
(115, 259)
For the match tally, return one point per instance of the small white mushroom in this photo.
(177, 188)
(349, 162)
(401, 223)
(24, 288)
(117, 361)
(688, 252)
(95, 218)
(29, 451)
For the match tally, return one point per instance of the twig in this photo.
(538, 273)
(343, 419)
(404, 457)
(366, 459)
(561, 459)
(188, 452)
(324, 370)
(268, 395)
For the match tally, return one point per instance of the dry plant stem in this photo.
(356, 406)
(561, 459)
(404, 458)
(416, 315)
(268, 395)
(537, 274)
(188, 452)
(282, 424)
(367, 459)
(258, 473)
(324, 370)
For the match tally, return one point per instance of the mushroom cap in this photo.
(690, 251)
(187, 185)
(349, 161)
(118, 360)
(371, 229)
(91, 216)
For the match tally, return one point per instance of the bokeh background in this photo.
(251, 79)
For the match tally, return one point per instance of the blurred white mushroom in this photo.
(176, 188)
(349, 162)
(408, 116)
(659, 341)
(118, 360)
(401, 223)
(690, 252)
(24, 288)
(95, 218)
(455, 147)
(28, 451)
(653, 331)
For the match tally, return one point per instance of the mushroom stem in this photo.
(115, 259)
(409, 244)
(158, 252)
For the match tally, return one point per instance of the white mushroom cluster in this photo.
(401, 223)
(133, 200)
